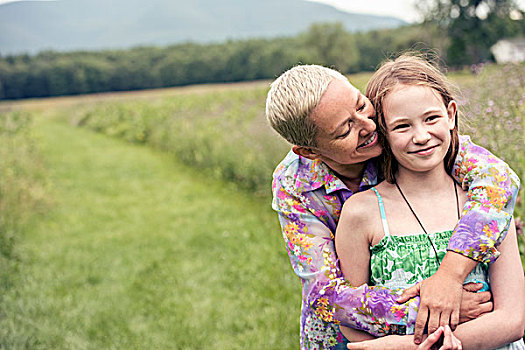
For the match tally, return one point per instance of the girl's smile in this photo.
(425, 151)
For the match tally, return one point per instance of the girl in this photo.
(396, 234)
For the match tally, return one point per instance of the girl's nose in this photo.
(421, 136)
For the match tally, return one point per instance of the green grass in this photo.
(22, 191)
(139, 252)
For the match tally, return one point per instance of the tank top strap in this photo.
(382, 212)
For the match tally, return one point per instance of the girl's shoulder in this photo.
(360, 204)
(360, 216)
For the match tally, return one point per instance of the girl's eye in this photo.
(400, 127)
(432, 118)
(361, 108)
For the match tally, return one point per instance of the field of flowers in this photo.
(494, 109)
(135, 251)
(225, 133)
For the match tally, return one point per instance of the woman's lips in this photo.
(372, 140)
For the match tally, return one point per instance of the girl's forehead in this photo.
(411, 100)
(408, 90)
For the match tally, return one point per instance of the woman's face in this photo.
(418, 126)
(346, 127)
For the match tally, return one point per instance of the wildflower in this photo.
(519, 226)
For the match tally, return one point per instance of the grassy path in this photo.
(138, 252)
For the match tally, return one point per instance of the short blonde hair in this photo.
(292, 98)
(409, 69)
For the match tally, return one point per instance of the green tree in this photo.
(473, 26)
(332, 46)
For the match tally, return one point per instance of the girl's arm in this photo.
(352, 244)
(406, 342)
(506, 323)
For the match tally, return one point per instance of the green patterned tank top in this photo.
(402, 261)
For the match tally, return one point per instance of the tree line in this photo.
(457, 33)
(53, 73)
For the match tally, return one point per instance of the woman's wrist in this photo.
(456, 266)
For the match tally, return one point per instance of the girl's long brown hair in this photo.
(408, 69)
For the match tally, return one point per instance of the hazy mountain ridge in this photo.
(65, 25)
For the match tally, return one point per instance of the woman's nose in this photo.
(368, 124)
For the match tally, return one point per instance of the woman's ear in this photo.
(452, 110)
(305, 152)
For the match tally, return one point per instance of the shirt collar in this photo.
(313, 174)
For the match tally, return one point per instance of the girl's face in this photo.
(418, 126)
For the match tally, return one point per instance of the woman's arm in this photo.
(311, 248)
(506, 323)
(492, 192)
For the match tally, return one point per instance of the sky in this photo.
(403, 9)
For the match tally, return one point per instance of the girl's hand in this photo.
(391, 342)
(405, 342)
(449, 340)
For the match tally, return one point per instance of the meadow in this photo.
(224, 131)
(155, 231)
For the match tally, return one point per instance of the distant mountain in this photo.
(65, 25)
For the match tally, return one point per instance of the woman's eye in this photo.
(342, 136)
(347, 131)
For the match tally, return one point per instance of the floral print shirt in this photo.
(308, 198)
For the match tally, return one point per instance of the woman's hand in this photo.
(449, 340)
(440, 295)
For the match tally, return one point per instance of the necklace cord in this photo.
(457, 199)
(420, 224)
